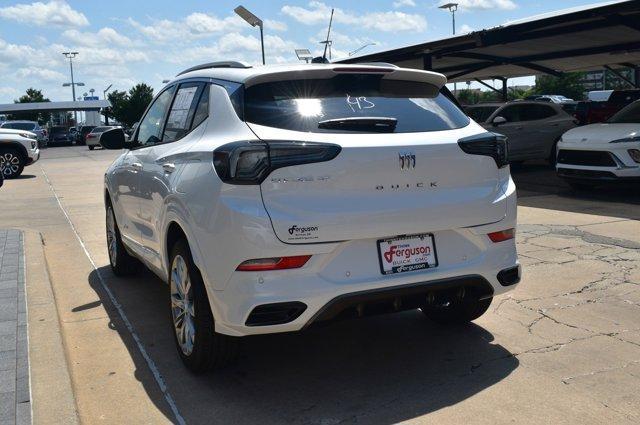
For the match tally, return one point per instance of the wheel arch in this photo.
(17, 146)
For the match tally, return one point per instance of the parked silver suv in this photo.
(533, 128)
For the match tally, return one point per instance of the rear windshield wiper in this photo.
(383, 124)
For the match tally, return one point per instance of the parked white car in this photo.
(604, 152)
(18, 148)
(92, 139)
(277, 197)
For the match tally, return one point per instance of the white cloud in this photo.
(23, 55)
(464, 29)
(43, 74)
(55, 13)
(484, 4)
(240, 47)
(104, 37)
(273, 25)
(404, 3)
(390, 21)
(195, 25)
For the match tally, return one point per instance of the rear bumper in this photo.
(291, 300)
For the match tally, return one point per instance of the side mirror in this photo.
(113, 139)
(499, 120)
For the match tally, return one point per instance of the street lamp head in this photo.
(165, 81)
(451, 6)
(66, 84)
(251, 19)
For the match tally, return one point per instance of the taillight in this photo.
(488, 144)
(502, 235)
(251, 162)
(277, 263)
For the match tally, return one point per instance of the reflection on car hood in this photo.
(603, 132)
(12, 131)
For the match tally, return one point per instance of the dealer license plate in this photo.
(407, 253)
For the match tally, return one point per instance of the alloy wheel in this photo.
(182, 308)
(9, 164)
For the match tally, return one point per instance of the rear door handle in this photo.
(169, 167)
(519, 128)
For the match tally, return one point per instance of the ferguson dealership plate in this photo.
(407, 253)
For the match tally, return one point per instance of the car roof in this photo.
(248, 75)
(19, 122)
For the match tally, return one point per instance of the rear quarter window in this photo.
(301, 104)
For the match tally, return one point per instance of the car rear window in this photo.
(301, 104)
(59, 130)
(100, 129)
(19, 125)
(629, 115)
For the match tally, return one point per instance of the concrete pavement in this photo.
(563, 348)
(15, 398)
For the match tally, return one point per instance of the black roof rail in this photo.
(221, 64)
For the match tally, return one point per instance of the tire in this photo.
(91, 147)
(456, 310)
(199, 346)
(122, 263)
(11, 163)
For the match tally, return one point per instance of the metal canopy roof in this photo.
(84, 105)
(576, 39)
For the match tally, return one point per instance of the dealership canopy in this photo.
(84, 105)
(576, 39)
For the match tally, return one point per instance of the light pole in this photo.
(70, 56)
(353, 52)
(452, 7)
(252, 20)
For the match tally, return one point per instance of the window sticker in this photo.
(180, 109)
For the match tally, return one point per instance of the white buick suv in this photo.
(277, 197)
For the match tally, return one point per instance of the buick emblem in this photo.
(407, 160)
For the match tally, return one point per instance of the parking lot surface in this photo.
(564, 347)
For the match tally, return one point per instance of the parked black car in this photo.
(81, 135)
(59, 135)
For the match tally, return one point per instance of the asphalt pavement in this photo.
(564, 347)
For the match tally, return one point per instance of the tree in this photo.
(569, 85)
(128, 107)
(139, 98)
(119, 103)
(468, 97)
(32, 96)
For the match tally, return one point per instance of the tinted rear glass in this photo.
(100, 129)
(628, 115)
(301, 104)
(59, 130)
(19, 125)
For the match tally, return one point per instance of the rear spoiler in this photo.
(327, 71)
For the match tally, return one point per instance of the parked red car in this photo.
(594, 112)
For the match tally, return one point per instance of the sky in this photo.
(125, 42)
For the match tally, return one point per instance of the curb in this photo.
(52, 397)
